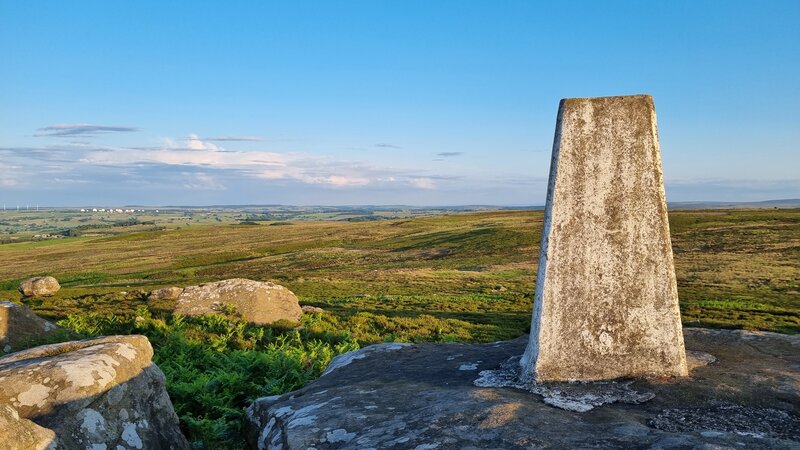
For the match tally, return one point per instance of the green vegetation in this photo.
(216, 365)
(447, 277)
(738, 269)
(47, 224)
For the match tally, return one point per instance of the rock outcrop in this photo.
(102, 393)
(167, 293)
(20, 328)
(747, 395)
(39, 287)
(257, 301)
(308, 309)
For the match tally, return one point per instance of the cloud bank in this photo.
(198, 170)
(193, 163)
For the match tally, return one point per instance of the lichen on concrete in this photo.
(606, 302)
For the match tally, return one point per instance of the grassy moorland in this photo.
(451, 277)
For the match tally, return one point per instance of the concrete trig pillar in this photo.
(606, 302)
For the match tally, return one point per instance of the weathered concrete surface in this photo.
(20, 328)
(424, 397)
(98, 393)
(606, 302)
(39, 287)
(257, 301)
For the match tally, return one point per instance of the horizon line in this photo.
(28, 207)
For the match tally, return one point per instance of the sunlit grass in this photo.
(466, 277)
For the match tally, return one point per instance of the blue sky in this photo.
(381, 102)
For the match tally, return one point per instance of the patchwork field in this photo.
(455, 276)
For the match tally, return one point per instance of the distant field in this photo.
(472, 275)
(440, 278)
(34, 225)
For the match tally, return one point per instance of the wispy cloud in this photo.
(196, 163)
(384, 145)
(81, 130)
(7, 178)
(201, 181)
(449, 154)
(233, 139)
(195, 143)
(423, 183)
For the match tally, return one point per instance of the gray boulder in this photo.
(308, 309)
(257, 301)
(102, 393)
(39, 287)
(458, 396)
(21, 434)
(21, 328)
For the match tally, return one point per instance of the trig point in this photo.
(606, 303)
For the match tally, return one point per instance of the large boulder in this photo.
(39, 287)
(456, 396)
(257, 301)
(102, 393)
(20, 328)
(167, 293)
(21, 434)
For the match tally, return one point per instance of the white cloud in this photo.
(234, 139)
(308, 169)
(195, 143)
(202, 181)
(423, 183)
(7, 181)
(339, 180)
(9, 175)
(304, 168)
(194, 163)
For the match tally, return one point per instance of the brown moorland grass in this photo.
(474, 273)
(456, 277)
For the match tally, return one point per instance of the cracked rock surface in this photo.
(102, 393)
(743, 392)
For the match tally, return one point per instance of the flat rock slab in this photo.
(744, 392)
